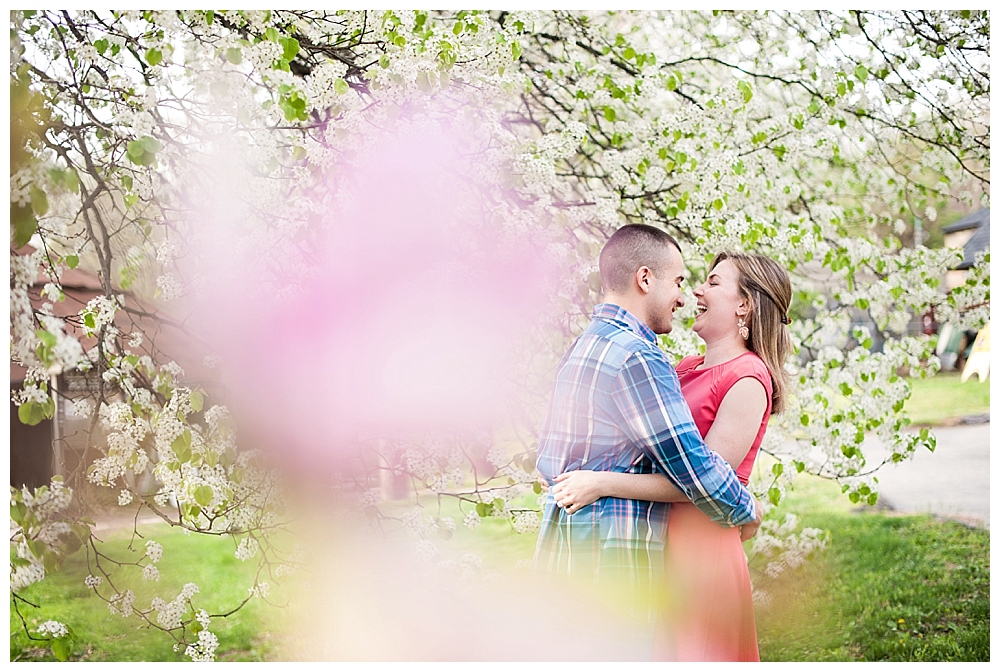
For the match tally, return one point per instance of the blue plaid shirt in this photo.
(617, 406)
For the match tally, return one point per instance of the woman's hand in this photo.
(576, 489)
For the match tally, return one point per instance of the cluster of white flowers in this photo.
(426, 550)
(471, 520)
(203, 651)
(525, 522)
(370, 497)
(92, 581)
(101, 311)
(247, 549)
(124, 497)
(125, 433)
(169, 614)
(262, 589)
(783, 548)
(22, 576)
(154, 551)
(44, 506)
(122, 603)
(82, 407)
(151, 573)
(53, 629)
(169, 287)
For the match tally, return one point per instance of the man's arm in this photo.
(730, 436)
(655, 416)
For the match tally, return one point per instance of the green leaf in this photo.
(23, 224)
(18, 511)
(746, 90)
(31, 413)
(234, 55)
(846, 389)
(101, 45)
(39, 201)
(182, 446)
(203, 494)
(609, 113)
(154, 56)
(774, 495)
(197, 401)
(861, 72)
(291, 48)
(209, 16)
(46, 337)
(536, 487)
(143, 151)
(61, 648)
(515, 50)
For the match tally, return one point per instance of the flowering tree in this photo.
(174, 154)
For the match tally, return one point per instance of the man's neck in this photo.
(630, 303)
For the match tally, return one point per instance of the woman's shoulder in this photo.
(749, 365)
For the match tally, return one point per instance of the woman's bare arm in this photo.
(731, 436)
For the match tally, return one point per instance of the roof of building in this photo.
(979, 241)
(973, 221)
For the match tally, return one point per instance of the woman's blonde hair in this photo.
(767, 286)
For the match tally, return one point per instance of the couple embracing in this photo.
(634, 493)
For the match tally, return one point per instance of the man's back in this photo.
(617, 406)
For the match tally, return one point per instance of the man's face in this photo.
(665, 295)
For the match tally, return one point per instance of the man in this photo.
(617, 406)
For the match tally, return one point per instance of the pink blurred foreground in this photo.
(397, 312)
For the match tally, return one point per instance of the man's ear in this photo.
(643, 278)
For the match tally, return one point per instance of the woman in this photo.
(732, 391)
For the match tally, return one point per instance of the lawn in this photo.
(944, 398)
(887, 588)
(207, 561)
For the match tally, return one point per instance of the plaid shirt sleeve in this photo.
(656, 418)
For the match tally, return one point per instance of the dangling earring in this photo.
(744, 331)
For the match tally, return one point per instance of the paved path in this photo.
(953, 481)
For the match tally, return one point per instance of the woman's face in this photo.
(720, 303)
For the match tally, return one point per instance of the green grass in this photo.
(887, 588)
(207, 561)
(945, 398)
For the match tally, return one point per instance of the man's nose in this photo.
(680, 301)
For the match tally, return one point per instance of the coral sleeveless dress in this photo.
(710, 615)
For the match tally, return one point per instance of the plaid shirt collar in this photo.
(613, 313)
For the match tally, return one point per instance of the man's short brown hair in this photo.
(628, 249)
